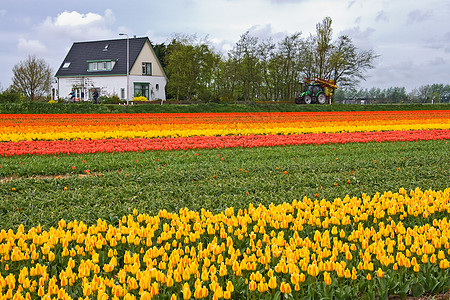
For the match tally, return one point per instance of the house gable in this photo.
(147, 55)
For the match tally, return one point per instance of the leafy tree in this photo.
(266, 53)
(32, 77)
(287, 64)
(247, 66)
(431, 93)
(161, 51)
(190, 67)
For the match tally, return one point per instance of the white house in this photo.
(102, 65)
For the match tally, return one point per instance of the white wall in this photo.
(153, 80)
(109, 86)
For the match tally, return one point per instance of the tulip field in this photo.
(280, 205)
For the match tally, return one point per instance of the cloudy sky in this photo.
(412, 37)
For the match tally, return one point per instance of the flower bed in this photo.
(33, 134)
(391, 243)
(17, 128)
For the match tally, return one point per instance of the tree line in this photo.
(257, 69)
(431, 93)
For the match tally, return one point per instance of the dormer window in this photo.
(66, 65)
(106, 47)
(100, 65)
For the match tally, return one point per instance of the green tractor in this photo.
(316, 91)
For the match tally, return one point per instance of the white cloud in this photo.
(79, 27)
(30, 46)
(73, 19)
(265, 32)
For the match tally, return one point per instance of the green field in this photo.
(43, 189)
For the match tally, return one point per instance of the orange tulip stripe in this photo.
(334, 249)
(106, 129)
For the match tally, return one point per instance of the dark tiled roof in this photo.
(82, 52)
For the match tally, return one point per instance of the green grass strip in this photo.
(43, 189)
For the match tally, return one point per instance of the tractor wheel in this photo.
(298, 100)
(321, 98)
(307, 99)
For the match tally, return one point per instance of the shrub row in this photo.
(82, 108)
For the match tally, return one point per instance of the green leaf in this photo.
(417, 289)
(405, 288)
(366, 296)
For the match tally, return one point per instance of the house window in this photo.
(100, 65)
(157, 86)
(66, 65)
(141, 89)
(122, 93)
(146, 68)
(92, 66)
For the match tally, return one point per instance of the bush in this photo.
(140, 99)
(11, 97)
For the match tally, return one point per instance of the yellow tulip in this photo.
(252, 286)
(186, 291)
(273, 282)
(326, 278)
(380, 273)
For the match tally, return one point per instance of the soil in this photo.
(441, 296)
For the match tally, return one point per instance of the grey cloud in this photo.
(382, 16)
(350, 3)
(447, 42)
(418, 16)
(286, 1)
(361, 38)
(437, 61)
(447, 36)
(438, 42)
(357, 33)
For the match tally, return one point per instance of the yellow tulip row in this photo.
(154, 132)
(203, 255)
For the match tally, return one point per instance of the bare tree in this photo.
(32, 77)
(323, 39)
(347, 64)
